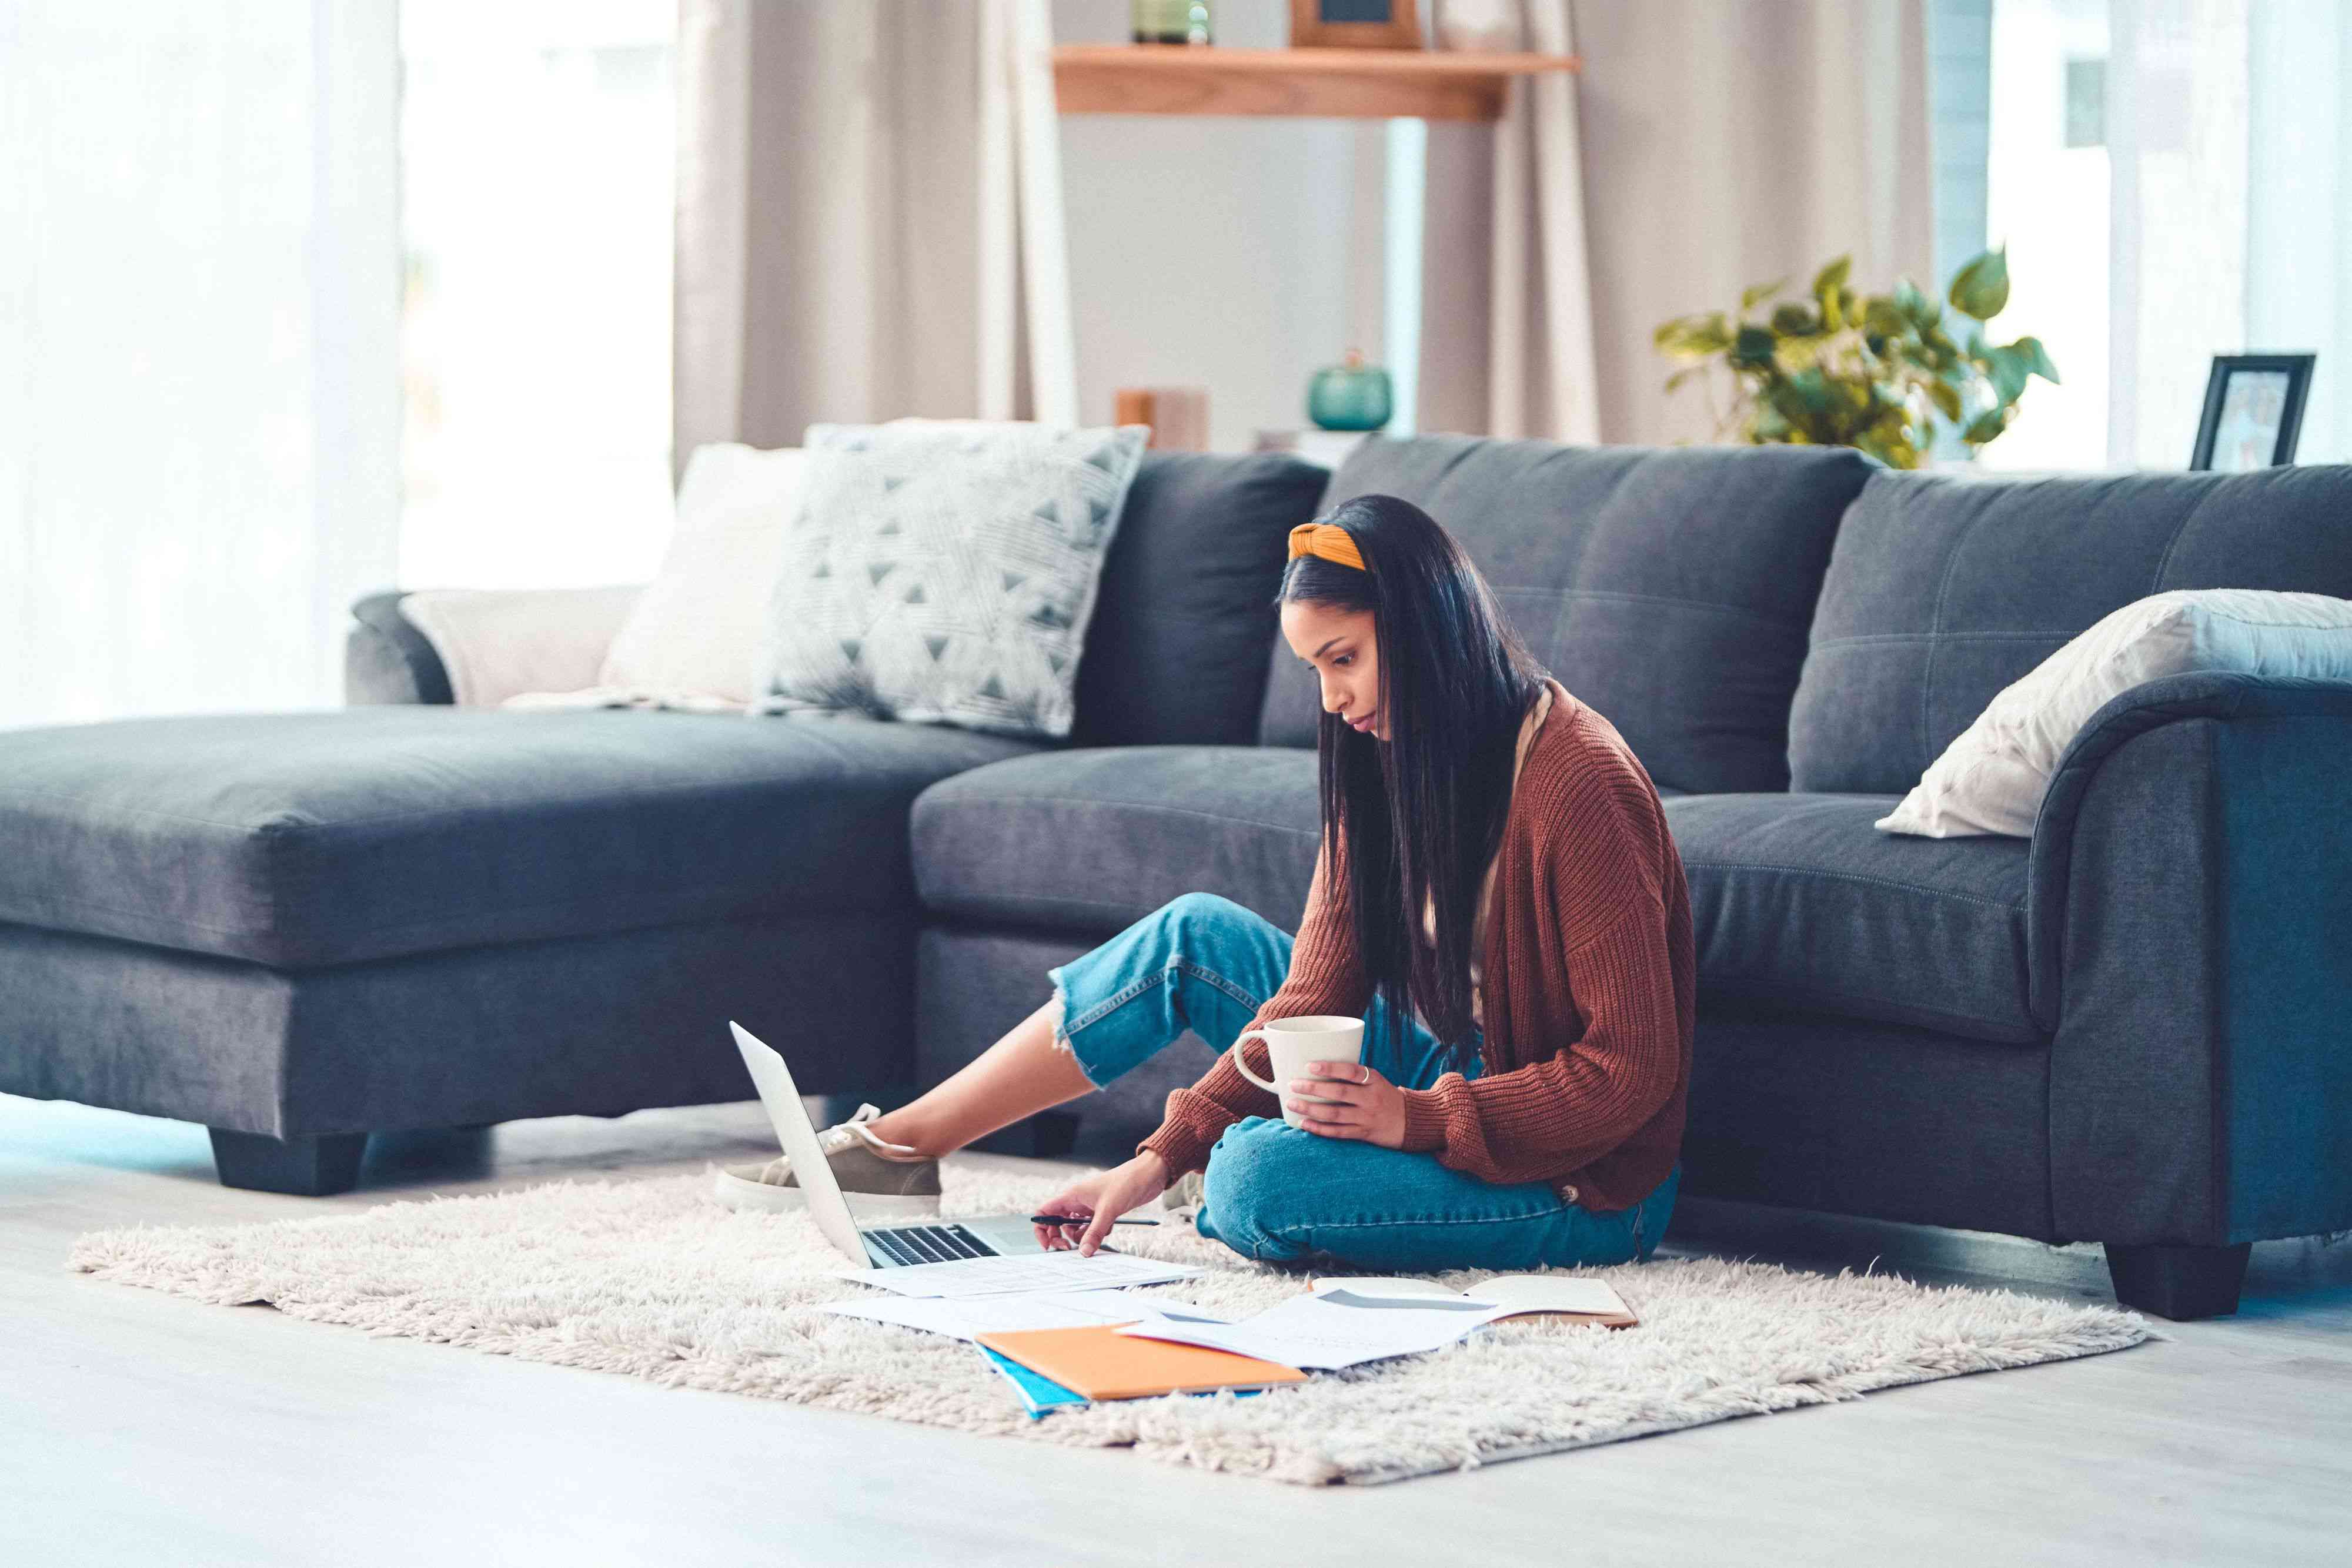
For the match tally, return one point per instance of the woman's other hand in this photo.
(1092, 1202)
(1369, 1106)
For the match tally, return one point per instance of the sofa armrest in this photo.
(387, 661)
(2189, 892)
(477, 647)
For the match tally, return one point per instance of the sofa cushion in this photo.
(1176, 652)
(307, 840)
(1671, 589)
(1798, 900)
(1943, 590)
(1092, 841)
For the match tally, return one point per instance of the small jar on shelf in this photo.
(1170, 21)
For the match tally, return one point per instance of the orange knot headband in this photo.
(1328, 540)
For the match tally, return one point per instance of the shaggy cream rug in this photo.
(652, 1278)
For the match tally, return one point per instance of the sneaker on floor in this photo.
(876, 1186)
(1183, 1195)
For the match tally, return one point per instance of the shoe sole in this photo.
(765, 1197)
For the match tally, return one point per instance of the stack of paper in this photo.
(1345, 1324)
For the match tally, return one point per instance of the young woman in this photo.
(1527, 1041)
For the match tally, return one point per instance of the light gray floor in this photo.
(140, 1428)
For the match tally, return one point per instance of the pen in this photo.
(1080, 1219)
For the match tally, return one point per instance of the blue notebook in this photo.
(1038, 1395)
(1042, 1395)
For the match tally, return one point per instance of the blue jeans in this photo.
(1272, 1191)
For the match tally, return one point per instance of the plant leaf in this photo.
(1694, 337)
(1917, 308)
(1880, 316)
(1946, 396)
(2037, 358)
(1831, 278)
(1795, 320)
(2008, 369)
(1988, 426)
(1752, 347)
(1752, 298)
(1981, 289)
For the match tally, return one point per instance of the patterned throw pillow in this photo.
(943, 571)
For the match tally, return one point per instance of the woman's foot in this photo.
(880, 1178)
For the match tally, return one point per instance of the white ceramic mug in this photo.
(1292, 1043)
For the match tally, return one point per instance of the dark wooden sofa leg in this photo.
(307, 1168)
(2178, 1282)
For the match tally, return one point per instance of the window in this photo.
(2046, 197)
(2173, 180)
(535, 205)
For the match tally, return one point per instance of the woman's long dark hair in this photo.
(1422, 813)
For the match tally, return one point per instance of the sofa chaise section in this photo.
(303, 928)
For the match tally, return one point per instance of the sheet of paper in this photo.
(1520, 1292)
(968, 1317)
(1020, 1274)
(1332, 1329)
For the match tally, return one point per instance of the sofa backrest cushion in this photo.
(1175, 652)
(1942, 591)
(1669, 588)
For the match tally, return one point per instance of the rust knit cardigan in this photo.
(1589, 981)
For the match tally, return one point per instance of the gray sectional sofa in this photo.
(2131, 1029)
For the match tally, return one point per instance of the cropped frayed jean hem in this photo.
(1279, 1192)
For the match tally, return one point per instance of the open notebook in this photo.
(1564, 1295)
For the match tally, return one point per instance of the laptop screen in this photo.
(811, 1169)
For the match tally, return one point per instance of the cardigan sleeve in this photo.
(1324, 978)
(1539, 1122)
(1576, 1103)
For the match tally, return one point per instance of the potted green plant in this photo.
(1837, 369)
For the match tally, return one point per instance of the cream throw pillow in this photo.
(1991, 778)
(693, 639)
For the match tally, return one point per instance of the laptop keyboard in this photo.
(928, 1243)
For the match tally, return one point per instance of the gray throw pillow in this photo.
(943, 571)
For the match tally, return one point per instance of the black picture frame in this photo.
(2296, 367)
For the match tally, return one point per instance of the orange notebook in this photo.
(1102, 1364)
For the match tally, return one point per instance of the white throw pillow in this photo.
(1993, 777)
(693, 639)
(943, 571)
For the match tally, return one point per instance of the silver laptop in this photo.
(883, 1246)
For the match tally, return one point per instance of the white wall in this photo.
(1238, 253)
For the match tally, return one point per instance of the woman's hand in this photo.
(1092, 1202)
(1371, 1108)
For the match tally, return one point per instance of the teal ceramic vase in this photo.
(1351, 396)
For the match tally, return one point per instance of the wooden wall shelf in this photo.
(1352, 84)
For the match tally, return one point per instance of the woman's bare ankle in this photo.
(918, 1142)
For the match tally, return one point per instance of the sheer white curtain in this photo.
(870, 218)
(199, 300)
(1717, 146)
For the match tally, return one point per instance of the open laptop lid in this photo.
(811, 1169)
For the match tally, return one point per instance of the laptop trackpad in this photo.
(1010, 1234)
